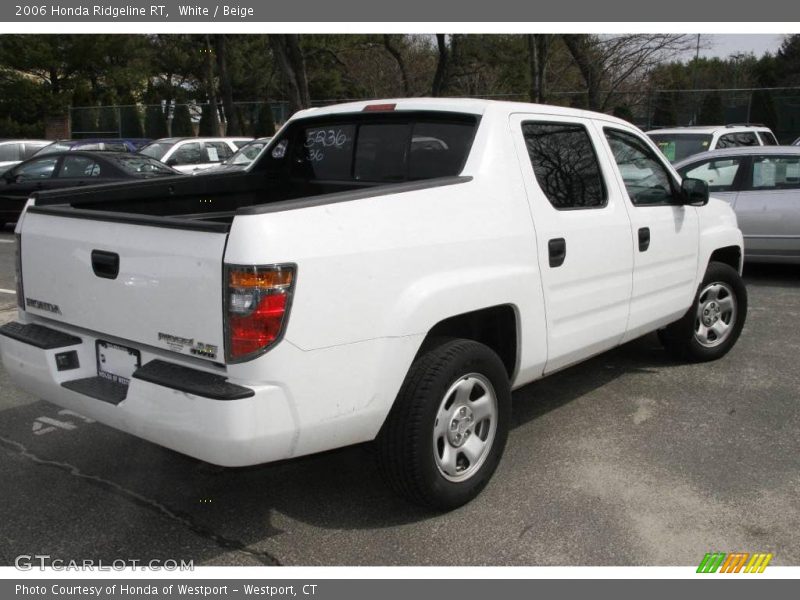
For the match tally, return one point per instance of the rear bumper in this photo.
(287, 403)
(227, 431)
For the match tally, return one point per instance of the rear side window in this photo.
(565, 164)
(744, 138)
(9, 152)
(383, 150)
(776, 172)
(767, 138)
(79, 167)
(217, 151)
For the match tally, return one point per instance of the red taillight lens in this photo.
(257, 305)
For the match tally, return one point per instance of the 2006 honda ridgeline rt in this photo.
(384, 271)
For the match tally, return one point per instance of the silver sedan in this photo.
(762, 183)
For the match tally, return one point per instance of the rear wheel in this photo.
(446, 432)
(712, 325)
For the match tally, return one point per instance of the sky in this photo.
(723, 45)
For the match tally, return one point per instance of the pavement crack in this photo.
(145, 502)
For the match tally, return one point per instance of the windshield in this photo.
(677, 146)
(156, 150)
(142, 166)
(56, 147)
(246, 154)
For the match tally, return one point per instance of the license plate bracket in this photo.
(116, 363)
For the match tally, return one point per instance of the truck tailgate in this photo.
(166, 293)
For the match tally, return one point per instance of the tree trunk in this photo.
(579, 47)
(231, 118)
(211, 90)
(538, 50)
(289, 56)
(395, 52)
(442, 66)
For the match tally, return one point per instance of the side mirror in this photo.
(694, 192)
(171, 162)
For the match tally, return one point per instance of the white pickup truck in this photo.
(384, 271)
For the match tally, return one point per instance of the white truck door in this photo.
(583, 234)
(665, 232)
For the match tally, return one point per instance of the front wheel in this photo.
(712, 325)
(446, 432)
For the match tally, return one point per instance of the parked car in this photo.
(681, 142)
(241, 159)
(70, 169)
(193, 154)
(110, 144)
(763, 187)
(13, 152)
(352, 285)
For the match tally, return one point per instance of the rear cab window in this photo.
(373, 148)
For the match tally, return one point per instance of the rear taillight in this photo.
(257, 302)
(18, 270)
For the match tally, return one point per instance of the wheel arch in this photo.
(497, 327)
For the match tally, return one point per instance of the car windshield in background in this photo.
(677, 146)
(156, 150)
(246, 154)
(142, 165)
(388, 150)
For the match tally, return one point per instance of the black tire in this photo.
(408, 456)
(683, 339)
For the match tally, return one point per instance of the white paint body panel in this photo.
(373, 277)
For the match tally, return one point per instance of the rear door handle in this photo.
(105, 264)
(557, 250)
(644, 239)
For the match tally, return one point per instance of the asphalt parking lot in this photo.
(628, 459)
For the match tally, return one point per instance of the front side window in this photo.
(719, 174)
(79, 167)
(647, 180)
(776, 173)
(565, 164)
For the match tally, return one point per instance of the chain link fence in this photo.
(777, 108)
(154, 121)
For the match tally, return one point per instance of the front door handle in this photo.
(644, 239)
(557, 250)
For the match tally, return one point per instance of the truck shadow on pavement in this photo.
(128, 492)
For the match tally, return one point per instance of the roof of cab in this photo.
(709, 129)
(474, 106)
